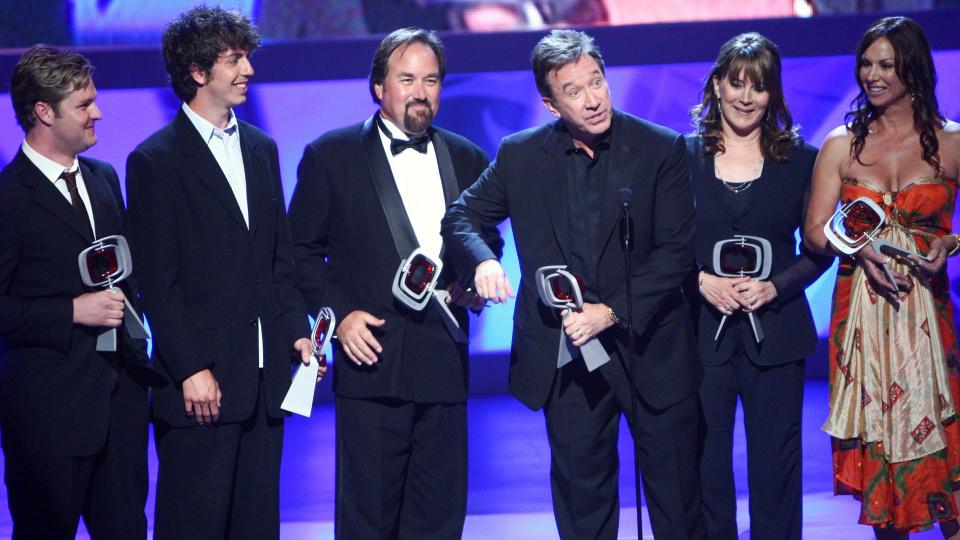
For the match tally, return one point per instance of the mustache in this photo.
(416, 101)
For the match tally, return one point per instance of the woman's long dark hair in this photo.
(914, 67)
(757, 57)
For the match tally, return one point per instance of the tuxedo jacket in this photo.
(206, 277)
(54, 386)
(774, 211)
(351, 232)
(527, 184)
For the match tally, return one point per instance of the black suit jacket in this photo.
(351, 232)
(526, 184)
(775, 210)
(54, 386)
(206, 277)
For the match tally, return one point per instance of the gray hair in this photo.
(557, 49)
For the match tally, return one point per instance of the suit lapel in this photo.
(49, 197)
(621, 168)
(553, 184)
(255, 171)
(205, 166)
(404, 238)
(104, 205)
(448, 175)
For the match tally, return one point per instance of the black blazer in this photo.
(775, 210)
(206, 278)
(54, 386)
(525, 184)
(344, 214)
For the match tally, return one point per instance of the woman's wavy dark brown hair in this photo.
(757, 57)
(914, 67)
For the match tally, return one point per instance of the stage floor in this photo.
(509, 495)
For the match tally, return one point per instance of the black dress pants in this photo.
(221, 481)
(583, 421)
(48, 495)
(772, 399)
(401, 469)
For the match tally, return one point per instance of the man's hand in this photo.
(201, 397)
(465, 298)
(99, 309)
(305, 348)
(357, 339)
(491, 282)
(581, 326)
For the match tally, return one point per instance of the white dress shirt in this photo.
(52, 170)
(418, 180)
(224, 144)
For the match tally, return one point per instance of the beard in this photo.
(417, 121)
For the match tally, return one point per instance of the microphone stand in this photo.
(626, 240)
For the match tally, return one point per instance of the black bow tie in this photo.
(399, 145)
(419, 144)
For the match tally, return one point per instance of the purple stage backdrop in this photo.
(485, 107)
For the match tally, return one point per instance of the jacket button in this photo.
(253, 323)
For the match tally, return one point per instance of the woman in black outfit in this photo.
(751, 173)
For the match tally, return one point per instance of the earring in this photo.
(913, 97)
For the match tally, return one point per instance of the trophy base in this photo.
(107, 341)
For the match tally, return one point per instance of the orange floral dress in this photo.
(894, 379)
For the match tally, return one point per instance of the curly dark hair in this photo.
(46, 74)
(402, 38)
(195, 39)
(914, 67)
(758, 58)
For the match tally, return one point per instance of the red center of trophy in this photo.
(420, 274)
(738, 258)
(860, 220)
(102, 264)
(323, 326)
(563, 289)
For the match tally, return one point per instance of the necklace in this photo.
(739, 187)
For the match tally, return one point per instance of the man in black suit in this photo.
(210, 235)
(73, 420)
(368, 195)
(559, 185)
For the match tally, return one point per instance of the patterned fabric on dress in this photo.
(894, 380)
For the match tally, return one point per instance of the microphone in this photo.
(626, 194)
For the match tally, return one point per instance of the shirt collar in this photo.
(208, 130)
(50, 169)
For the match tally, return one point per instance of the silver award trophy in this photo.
(299, 398)
(560, 289)
(102, 265)
(743, 256)
(858, 223)
(415, 284)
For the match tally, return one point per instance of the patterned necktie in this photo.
(71, 179)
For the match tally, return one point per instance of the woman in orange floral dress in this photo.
(894, 379)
